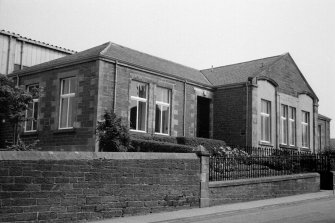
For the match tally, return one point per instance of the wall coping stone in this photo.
(55, 155)
(261, 180)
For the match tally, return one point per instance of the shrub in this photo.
(159, 138)
(22, 146)
(140, 145)
(210, 144)
(113, 136)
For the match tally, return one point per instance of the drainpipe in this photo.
(184, 110)
(115, 79)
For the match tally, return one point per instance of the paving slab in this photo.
(183, 215)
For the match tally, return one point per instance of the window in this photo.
(287, 125)
(291, 126)
(162, 120)
(67, 94)
(305, 129)
(265, 121)
(284, 124)
(32, 112)
(138, 105)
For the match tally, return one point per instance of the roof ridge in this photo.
(115, 44)
(37, 41)
(243, 62)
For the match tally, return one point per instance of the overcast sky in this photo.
(198, 34)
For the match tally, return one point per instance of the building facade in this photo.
(265, 102)
(18, 52)
(323, 133)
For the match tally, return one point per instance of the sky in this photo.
(195, 33)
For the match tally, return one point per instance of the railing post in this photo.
(204, 176)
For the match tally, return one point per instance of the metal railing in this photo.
(260, 162)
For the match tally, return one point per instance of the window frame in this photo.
(61, 97)
(283, 120)
(139, 99)
(35, 101)
(266, 116)
(162, 104)
(305, 117)
(292, 116)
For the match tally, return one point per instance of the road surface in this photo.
(316, 211)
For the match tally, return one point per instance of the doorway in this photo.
(203, 117)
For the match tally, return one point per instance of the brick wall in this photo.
(60, 186)
(225, 192)
(230, 115)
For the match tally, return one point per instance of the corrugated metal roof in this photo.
(36, 42)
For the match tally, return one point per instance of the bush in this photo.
(140, 145)
(113, 136)
(22, 146)
(159, 138)
(210, 144)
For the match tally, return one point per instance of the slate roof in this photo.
(128, 56)
(36, 42)
(323, 117)
(237, 73)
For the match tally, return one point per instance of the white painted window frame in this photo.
(35, 100)
(62, 96)
(139, 99)
(161, 104)
(266, 116)
(303, 125)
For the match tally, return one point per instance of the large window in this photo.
(265, 121)
(305, 129)
(67, 95)
(288, 128)
(162, 121)
(32, 112)
(291, 126)
(138, 105)
(284, 124)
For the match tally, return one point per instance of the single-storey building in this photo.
(265, 102)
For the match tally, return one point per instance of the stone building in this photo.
(323, 132)
(265, 102)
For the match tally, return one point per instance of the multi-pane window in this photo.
(265, 121)
(138, 105)
(305, 129)
(291, 126)
(32, 112)
(284, 124)
(67, 95)
(162, 120)
(288, 128)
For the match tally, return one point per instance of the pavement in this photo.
(220, 210)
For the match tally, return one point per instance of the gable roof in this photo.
(237, 73)
(324, 117)
(266, 67)
(128, 56)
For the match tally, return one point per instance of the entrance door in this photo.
(203, 117)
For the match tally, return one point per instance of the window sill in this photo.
(137, 131)
(61, 131)
(161, 134)
(288, 147)
(263, 143)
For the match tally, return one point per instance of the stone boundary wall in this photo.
(225, 192)
(79, 186)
